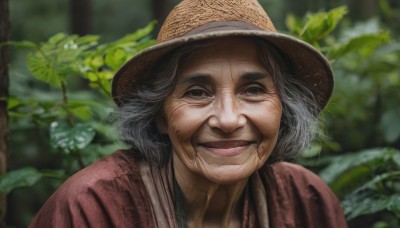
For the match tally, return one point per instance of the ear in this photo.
(161, 123)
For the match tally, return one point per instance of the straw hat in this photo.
(195, 20)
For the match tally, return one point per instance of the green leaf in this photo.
(88, 39)
(13, 102)
(394, 204)
(68, 139)
(378, 194)
(61, 57)
(319, 25)
(107, 75)
(294, 24)
(83, 112)
(24, 177)
(41, 68)
(365, 43)
(346, 172)
(139, 34)
(95, 62)
(21, 44)
(57, 38)
(396, 159)
(115, 58)
(366, 205)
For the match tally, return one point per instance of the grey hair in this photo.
(136, 118)
(299, 121)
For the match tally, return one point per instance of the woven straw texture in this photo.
(190, 14)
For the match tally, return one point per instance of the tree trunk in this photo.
(161, 9)
(364, 9)
(4, 59)
(81, 16)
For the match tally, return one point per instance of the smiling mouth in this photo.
(226, 148)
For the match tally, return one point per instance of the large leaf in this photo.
(60, 57)
(115, 58)
(380, 193)
(371, 204)
(24, 177)
(68, 139)
(319, 25)
(346, 172)
(42, 69)
(365, 43)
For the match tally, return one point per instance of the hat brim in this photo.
(306, 62)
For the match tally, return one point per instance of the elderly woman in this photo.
(210, 113)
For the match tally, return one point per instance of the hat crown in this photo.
(191, 14)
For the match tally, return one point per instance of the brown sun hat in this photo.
(196, 20)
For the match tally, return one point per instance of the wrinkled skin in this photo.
(223, 120)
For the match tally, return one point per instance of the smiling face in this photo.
(224, 114)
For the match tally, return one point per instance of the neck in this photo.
(209, 204)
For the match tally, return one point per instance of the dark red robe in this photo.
(111, 193)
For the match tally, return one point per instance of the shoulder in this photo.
(293, 174)
(114, 169)
(99, 195)
(295, 179)
(120, 164)
(300, 197)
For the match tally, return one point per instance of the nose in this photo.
(227, 115)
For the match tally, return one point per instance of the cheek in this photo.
(183, 121)
(269, 124)
(267, 118)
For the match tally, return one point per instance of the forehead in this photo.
(235, 49)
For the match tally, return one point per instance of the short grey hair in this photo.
(136, 118)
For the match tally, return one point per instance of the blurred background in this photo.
(357, 153)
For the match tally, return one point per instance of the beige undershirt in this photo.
(159, 185)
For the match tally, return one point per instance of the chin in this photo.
(229, 174)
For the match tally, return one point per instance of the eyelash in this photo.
(197, 92)
(191, 92)
(260, 89)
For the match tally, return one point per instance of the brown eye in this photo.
(254, 90)
(197, 93)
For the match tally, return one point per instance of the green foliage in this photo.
(53, 61)
(74, 119)
(364, 44)
(316, 26)
(379, 194)
(24, 177)
(348, 172)
(363, 113)
(100, 64)
(68, 139)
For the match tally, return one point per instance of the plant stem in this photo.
(65, 104)
(78, 158)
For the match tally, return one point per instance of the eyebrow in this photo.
(253, 76)
(207, 79)
(198, 79)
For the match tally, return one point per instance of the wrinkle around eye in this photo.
(255, 93)
(255, 90)
(197, 94)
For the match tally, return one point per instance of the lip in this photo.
(226, 148)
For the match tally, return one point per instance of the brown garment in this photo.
(111, 193)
